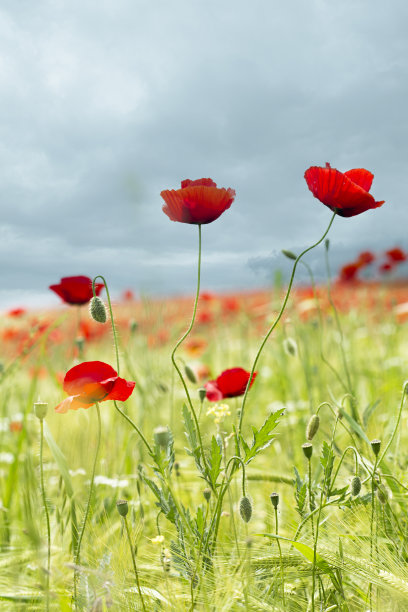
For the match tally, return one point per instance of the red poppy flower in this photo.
(348, 273)
(197, 202)
(76, 289)
(230, 383)
(396, 255)
(365, 258)
(16, 312)
(346, 193)
(90, 382)
(386, 267)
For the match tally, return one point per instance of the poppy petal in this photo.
(85, 373)
(213, 392)
(361, 177)
(122, 389)
(73, 402)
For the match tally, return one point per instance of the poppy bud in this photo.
(133, 325)
(161, 436)
(190, 374)
(207, 494)
(290, 346)
(275, 499)
(202, 394)
(355, 486)
(97, 309)
(245, 509)
(307, 450)
(376, 445)
(312, 426)
(122, 507)
(382, 494)
(40, 410)
(289, 254)
(177, 468)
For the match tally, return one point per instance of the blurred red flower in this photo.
(230, 383)
(348, 273)
(197, 202)
(386, 267)
(76, 289)
(90, 382)
(345, 193)
(16, 312)
(365, 258)
(396, 255)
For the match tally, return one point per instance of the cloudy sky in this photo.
(105, 103)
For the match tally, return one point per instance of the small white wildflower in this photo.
(159, 539)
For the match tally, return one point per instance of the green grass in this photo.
(239, 565)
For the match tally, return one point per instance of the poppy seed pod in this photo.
(207, 494)
(201, 394)
(245, 509)
(40, 410)
(161, 436)
(275, 499)
(376, 445)
(122, 507)
(307, 450)
(97, 309)
(190, 374)
(312, 427)
(355, 486)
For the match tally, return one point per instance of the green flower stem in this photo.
(173, 359)
(132, 552)
(356, 457)
(339, 329)
(280, 556)
(47, 516)
(309, 465)
(115, 341)
(370, 587)
(88, 505)
(322, 495)
(319, 310)
(390, 441)
(278, 318)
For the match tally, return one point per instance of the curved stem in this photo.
(404, 392)
(88, 505)
(132, 552)
(115, 337)
(47, 516)
(184, 336)
(278, 318)
(356, 456)
(135, 427)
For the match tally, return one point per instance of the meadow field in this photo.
(298, 504)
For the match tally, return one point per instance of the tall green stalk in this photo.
(278, 318)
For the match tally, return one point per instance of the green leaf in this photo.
(192, 438)
(327, 461)
(354, 425)
(308, 554)
(262, 437)
(214, 461)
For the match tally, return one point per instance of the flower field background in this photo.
(250, 460)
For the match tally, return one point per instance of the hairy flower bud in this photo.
(312, 427)
(97, 309)
(190, 374)
(289, 254)
(290, 346)
(355, 486)
(245, 509)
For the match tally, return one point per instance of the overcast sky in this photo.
(105, 103)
